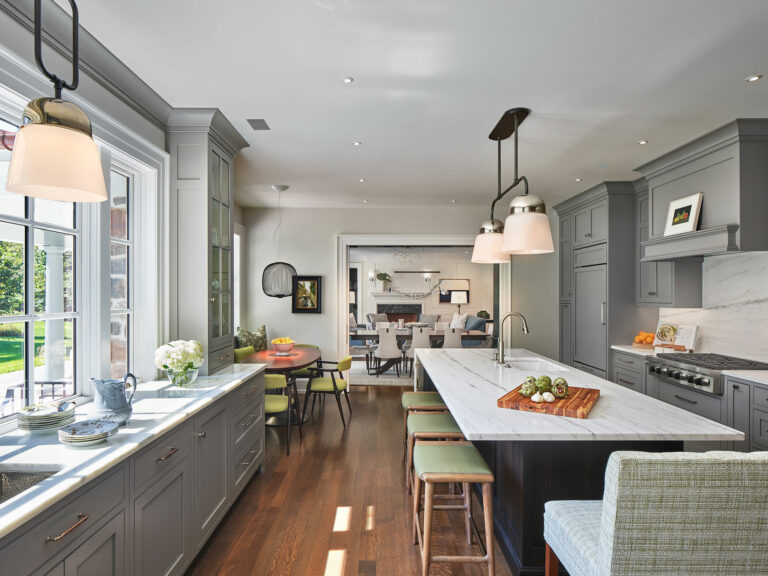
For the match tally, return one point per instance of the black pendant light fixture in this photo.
(526, 230)
(54, 155)
(277, 278)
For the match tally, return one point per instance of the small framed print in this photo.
(683, 215)
(307, 295)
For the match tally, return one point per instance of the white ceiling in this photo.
(432, 77)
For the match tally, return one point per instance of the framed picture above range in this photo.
(307, 295)
(683, 215)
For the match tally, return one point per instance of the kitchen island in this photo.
(538, 457)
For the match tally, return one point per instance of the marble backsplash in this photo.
(734, 317)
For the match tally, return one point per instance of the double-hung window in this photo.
(39, 294)
(121, 259)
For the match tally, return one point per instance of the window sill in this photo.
(8, 424)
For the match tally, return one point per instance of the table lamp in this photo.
(458, 297)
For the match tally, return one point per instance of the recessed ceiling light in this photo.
(641, 142)
(365, 201)
(453, 201)
(348, 80)
(577, 179)
(753, 77)
(356, 143)
(362, 179)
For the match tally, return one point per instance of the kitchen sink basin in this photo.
(537, 366)
(14, 481)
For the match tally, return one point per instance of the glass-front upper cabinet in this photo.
(219, 227)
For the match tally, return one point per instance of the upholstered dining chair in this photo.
(303, 373)
(320, 384)
(276, 403)
(359, 347)
(420, 339)
(441, 326)
(387, 349)
(452, 338)
(681, 513)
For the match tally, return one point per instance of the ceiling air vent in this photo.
(258, 123)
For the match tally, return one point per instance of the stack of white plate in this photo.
(87, 432)
(43, 417)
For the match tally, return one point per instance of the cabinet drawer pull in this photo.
(81, 519)
(736, 387)
(626, 382)
(202, 434)
(651, 293)
(222, 357)
(213, 298)
(588, 235)
(247, 424)
(251, 393)
(686, 400)
(171, 452)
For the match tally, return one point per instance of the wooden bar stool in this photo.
(419, 402)
(428, 426)
(450, 462)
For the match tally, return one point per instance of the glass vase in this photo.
(183, 377)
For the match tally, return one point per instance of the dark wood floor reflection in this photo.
(283, 523)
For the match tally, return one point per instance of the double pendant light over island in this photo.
(526, 230)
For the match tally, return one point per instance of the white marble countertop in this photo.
(759, 376)
(157, 407)
(629, 349)
(471, 383)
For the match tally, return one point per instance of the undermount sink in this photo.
(532, 364)
(14, 481)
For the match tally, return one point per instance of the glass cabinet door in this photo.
(220, 213)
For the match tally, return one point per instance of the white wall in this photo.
(535, 296)
(452, 262)
(308, 242)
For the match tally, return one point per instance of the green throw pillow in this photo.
(260, 338)
(244, 338)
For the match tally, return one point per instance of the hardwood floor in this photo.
(349, 480)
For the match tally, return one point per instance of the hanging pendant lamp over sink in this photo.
(526, 229)
(54, 156)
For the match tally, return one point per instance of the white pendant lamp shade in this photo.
(56, 163)
(488, 249)
(527, 233)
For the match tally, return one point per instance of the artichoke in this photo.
(560, 388)
(528, 388)
(544, 384)
(531, 379)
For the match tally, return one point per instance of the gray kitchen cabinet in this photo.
(566, 258)
(628, 379)
(103, 554)
(57, 570)
(163, 531)
(211, 469)
(202, 145)
(591, 224)
(566, 333)
(590, 370)
(591, 316)
(738, 401)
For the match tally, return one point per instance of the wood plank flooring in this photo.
(353, 479)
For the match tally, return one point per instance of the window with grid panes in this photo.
(120, 272)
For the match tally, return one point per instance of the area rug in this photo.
(359, 377)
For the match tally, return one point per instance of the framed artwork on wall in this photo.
(448, 286)
(307, 295)
(683, 215)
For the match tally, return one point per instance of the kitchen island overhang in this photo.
(539, 457)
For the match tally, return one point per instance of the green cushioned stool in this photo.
(435, 426)
(419, 402)
(450, 462)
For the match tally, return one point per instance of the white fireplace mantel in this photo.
(394, 298)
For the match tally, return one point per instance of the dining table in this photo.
(407, 334)
(285, 363)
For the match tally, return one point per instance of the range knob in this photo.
(691, 379)
(658, 369)
(699, 381)
(676, 375)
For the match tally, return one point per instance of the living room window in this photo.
(39, 310)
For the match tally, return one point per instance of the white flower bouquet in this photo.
(181, 360)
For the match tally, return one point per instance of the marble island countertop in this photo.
(470, 383)
(157, 407)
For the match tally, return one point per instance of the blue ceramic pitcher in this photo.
(110, 401)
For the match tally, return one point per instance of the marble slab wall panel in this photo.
(734, 317)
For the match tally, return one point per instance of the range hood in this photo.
(728, 166)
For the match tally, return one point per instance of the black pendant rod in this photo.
(499, 133)
(58, 83)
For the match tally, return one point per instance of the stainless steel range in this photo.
(699, 371)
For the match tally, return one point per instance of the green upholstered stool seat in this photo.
(325, 384)
(275, 403)
(243, 353)
(447, 459)
(411, 399)
(440, 423)
(274, 382)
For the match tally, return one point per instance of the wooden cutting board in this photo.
(577, 404)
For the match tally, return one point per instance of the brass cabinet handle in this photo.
(686, 400)
(81, 519)
(626, 381)
(171, 452)
(222, 357)
(247, 424)
(251, 393)
(202, 434)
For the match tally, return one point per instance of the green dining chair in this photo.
(276, 403)
(303, 372)
(320, 384)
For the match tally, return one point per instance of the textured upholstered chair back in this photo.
(452, 338)
(352, 322)
(387, 344)
(685, 513)
(420, 340)
(345, 364)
